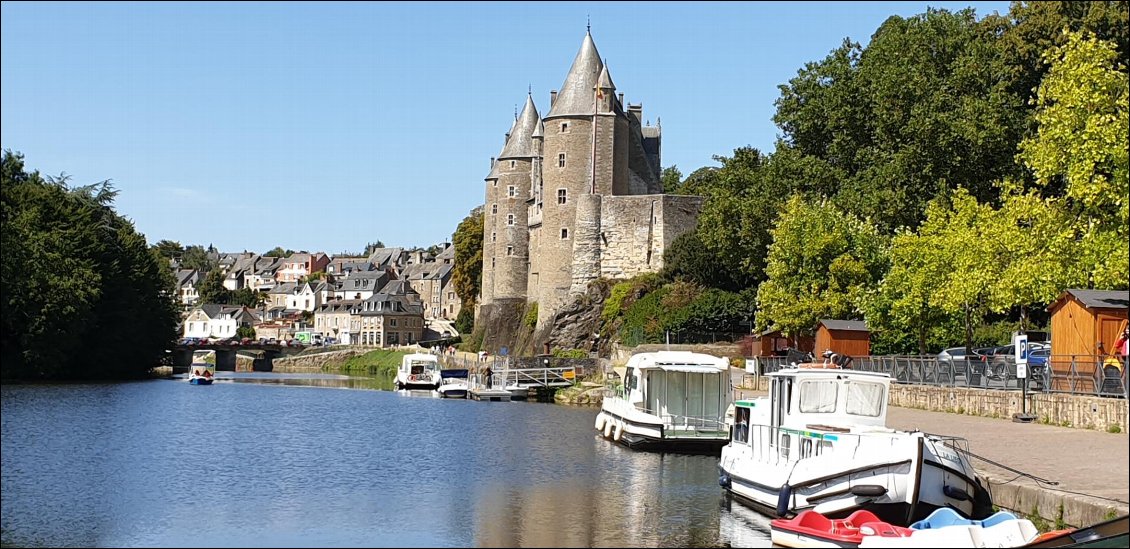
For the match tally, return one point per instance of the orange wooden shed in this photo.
(772, 342)
(845, 337)
(1084, 326)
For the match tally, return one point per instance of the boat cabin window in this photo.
(865, 399)
(741, 424)
(818, 396)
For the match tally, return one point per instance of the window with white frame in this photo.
(492, 237)
(564, 233)
(562, 196)
(561, 160)
(564, 127)
(494, 208)
(511, 191)
(509, 219)
(510, 250)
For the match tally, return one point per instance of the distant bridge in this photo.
(264, 355)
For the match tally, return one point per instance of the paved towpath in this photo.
(1081, 460)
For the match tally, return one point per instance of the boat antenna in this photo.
(668, 340)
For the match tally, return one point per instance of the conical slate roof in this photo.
(521, 142)
(605, 81)
(540, 130)
(576, 94)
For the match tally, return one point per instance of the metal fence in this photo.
(1072, 374)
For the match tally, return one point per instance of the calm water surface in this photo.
(323, 460)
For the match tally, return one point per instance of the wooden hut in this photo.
(774, 343)
(845, 337)
(1084, 326)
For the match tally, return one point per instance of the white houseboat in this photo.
(418, 371)
(820, 441)
(669, 400)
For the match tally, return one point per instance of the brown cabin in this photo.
(845, 337)
(774, 343)
(1084, 325)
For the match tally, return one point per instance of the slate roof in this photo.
(845, 325)
(1099, 299)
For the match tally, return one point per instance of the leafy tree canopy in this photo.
(74, 272)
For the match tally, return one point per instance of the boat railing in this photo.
(775, 445)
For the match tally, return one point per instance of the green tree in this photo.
(196, 257)
(245, 332)
(169, 249)
(466, 276)
(670, 178)
(246, 297)
(904, 303)
(1083, 118)
(918, 112)
(957, 228)
(821, 264)
(279, 251)
(74, 271)
(211, 289)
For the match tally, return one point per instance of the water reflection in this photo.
(265, 464)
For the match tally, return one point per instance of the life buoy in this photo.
(618, 431)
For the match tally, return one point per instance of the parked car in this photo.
(959, 358)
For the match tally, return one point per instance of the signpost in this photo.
(1020, 353)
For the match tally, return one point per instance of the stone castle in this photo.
(573, 197)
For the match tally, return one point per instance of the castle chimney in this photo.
(492, 162)
(637, 112)
(621, 95)
(552, 98)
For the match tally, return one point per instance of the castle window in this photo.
(510, 250)
(493, 209)
(561, 196)
(509, 219)
(511, 191)
(561, 160)
(492, 262)
(513, 163)
(492, 237)
(564, 234)
(564, 127)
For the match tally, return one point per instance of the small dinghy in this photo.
(947, 528)
(812, 529)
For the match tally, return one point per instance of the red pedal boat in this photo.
(811, 529)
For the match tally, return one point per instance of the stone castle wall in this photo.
(636, 230)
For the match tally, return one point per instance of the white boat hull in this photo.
(900, 477)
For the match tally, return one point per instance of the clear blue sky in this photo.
(324, 126)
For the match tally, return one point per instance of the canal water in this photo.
(273, 460)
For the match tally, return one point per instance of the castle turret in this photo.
(515, 173)
(567, 173)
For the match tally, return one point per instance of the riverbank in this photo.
(354, 359)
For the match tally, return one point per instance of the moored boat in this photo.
(820, 442)
(811, 529)
(418, 371)
(669, 400)
(201, 373)
(453, 383)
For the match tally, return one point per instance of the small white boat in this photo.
(670, 400)
(418, 371)
(820, 442)
(1009, 533)
(453, 383)
(201, 373)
